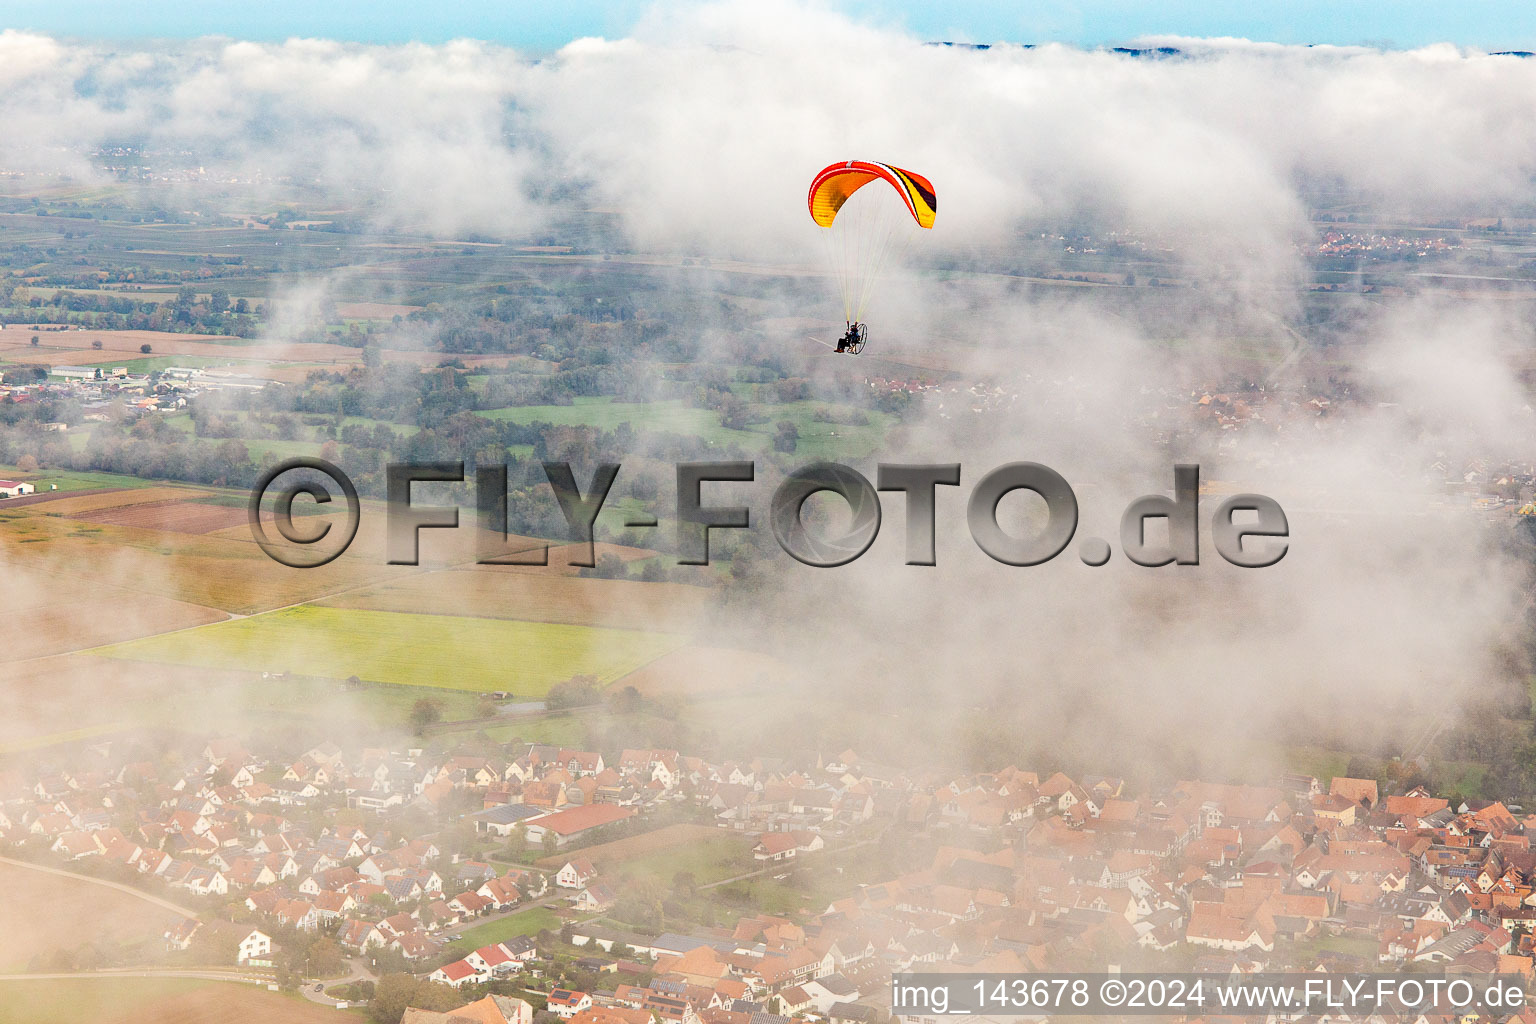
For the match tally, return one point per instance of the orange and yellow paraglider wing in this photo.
(831, 188)
(921, 199)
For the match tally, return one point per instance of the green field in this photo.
(378, 704)
(524, 922)
(817, 439)
(279, 449)
(1365, 948)
(151, 363)
(606, 414)
(445, 651)
(67, 480)
(707, 860)
(1464, 777)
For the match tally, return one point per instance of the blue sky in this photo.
(547, 25)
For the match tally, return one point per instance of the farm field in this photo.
(671, 607)
(708, 859)
(233, 1003)
(89, 503)
(813, 880)
(149, 364)
(708, 853)
(173, 514)
(46, 740)
(202, 569)
(58, 700)
(67, 480)
(524, 922)
(450, 652)
(817, 439)
(44, 913)
(378, 704)
(75, 347)
(51, 614)
(98, 998)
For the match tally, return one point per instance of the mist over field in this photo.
(698, 133)
(1309, 270)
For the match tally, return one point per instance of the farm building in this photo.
(14, 488)
(502, 820)
(567, 825)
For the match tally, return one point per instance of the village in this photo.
(1017, 872)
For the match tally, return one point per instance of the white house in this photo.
(567, 1004)
(575, 874)
(14, 488)
(460, 972)
(255, 946)
(596, 896)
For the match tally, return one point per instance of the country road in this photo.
(164, 904)
(355, 972)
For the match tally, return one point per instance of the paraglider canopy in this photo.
(862, 233)
(831, 188)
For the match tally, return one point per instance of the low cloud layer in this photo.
(701, 132)
(707, 123)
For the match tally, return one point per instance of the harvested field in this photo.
(42, 496)
(295, 373)
(231, 1004)
(560, 556)
(201, 569)
(78, 503)
(175, 515)
(251, 582)
(43, 913)
(74, 347)
(16, 339)
(49, 614)
(89, 998)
